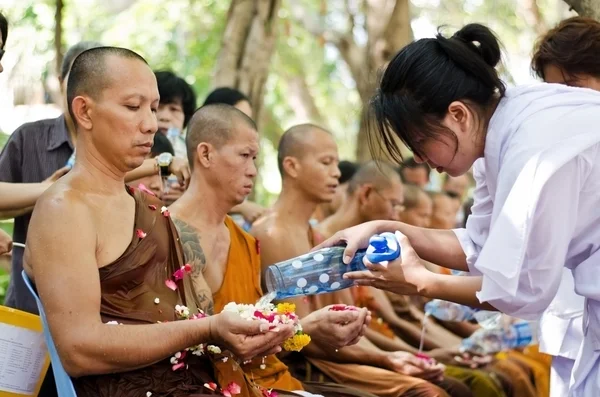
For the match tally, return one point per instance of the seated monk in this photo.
(101, 254)
(376, 192)
(223, 144)
(308, 160)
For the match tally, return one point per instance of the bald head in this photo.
(294, 142)
(91, 73)
(413, 195)
(377, 173)
(214, 124)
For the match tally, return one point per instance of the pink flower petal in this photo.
(171, 284)
(177, 366)
(165, 211)
(187, 268)
(152, 207)
(140, 233)
(211, 386)
(178, 275)
(144, 189)
(233, 388)
(226, 393)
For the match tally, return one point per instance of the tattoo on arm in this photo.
(194, 255)
(192, 250)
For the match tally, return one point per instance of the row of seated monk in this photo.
(91, 271)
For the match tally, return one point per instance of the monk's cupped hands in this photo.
(336, 326)
(247, 339)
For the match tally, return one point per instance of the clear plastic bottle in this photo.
(322, 271)
(488, 341)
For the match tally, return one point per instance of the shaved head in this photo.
(293, 142)
(91, 74)
(214, 124)
(377, 173)
(413, 195)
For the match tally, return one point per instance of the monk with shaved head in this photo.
(222, 147)
(101, 254)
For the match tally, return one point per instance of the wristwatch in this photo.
(164, 160)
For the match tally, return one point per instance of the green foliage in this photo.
(185, 36)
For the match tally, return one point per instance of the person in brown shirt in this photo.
(222, 145)
(99, 252)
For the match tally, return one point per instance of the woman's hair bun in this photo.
(481, 39)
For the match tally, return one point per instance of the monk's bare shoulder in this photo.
(279, 239)
(61, 214)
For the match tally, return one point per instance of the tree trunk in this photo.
(247, 47)
(302, 101)
(384, 41)
(58, 35)
(587, 8)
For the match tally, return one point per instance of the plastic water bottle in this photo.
(488, 341)
(450, 311)
(241, 222)
(322, 271)
(172, 134)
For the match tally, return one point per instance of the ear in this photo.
(291, 166)
(82, 110)
(460, 115)
(364, 193)
(204, 153)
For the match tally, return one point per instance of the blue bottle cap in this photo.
(383, 247)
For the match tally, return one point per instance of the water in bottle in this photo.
(322, 271)
(488, 341)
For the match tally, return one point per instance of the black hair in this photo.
(3, 29)
(161, 145)
(88, 73)
(174, 89)
(347, 170)
(424, 78)
(72, 53)
(226, 95)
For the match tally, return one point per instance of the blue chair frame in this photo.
(64, 384)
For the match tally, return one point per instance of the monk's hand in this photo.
(406, 275)
(5, 242)
(247, 339)
(408, 364)
(453, 356)
(355, 238)
(336, 329)
(181, 169)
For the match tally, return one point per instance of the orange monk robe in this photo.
(241, 284)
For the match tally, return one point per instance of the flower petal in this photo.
(187, 268)
(177, 366)
(171, 284)
(234, 388)
(144, 189)
(152, 207)
(165, 211)
(140, 233)
(178, 275)
(211, 386)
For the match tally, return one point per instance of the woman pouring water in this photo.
(535, 152)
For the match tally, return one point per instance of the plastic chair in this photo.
(64, 384)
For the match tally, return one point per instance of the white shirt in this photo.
(537, 203)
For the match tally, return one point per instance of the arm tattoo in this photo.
(192, 250)
(194, 255)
